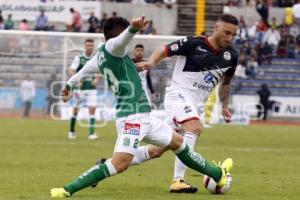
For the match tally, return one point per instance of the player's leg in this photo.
(91, 97)
(76, 103)
(117, 164)
(72, 133)
(163, 136)
(197, 162)
(184, 113)
(92, 121)
(132, 130)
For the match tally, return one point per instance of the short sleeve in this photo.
(234, 62)
(180, 47)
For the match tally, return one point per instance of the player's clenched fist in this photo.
(139, 23)
(65, 95)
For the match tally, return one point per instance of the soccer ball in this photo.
(212, 187)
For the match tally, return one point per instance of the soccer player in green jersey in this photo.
(87, 90)
(134, 123)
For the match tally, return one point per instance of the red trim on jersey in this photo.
(210, 46)
(167, 51)
(186, 120)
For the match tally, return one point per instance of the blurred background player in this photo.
(144, 74)
(27, 92)
(203, 63)
(87, 90)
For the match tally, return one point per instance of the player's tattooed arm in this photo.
(224, 91)
(224, 94)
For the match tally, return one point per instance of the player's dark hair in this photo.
(89, 40)
(139, 46)
(113, 25)
(228, 18)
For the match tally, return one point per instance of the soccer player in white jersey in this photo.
(145, 76)
(134, 123)
(203, 63)
(86, 92)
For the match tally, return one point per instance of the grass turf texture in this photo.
(37, 156)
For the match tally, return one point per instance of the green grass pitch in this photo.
(35, 155)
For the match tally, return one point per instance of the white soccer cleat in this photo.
(93, 137)
(72, 135)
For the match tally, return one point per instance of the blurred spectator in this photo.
(294, 30)
(264, 53)
(1, 21)
(246, 49)
(169, 3)
(240, 71)
(291, 47)
(272, 38)
(93, 23)
(102, 21)
(264, 102)
(282, 51)
(9, 23)
(27, 91)
(76, 20)
(296, 12)
(114, 14)
(284, 29)
(41, 22)
(274, 23)
(262, 8)
(150, 29)
(288, 16)
(24, 25)
(54, 88)
(252, 68)
(243, 30)
(261, 28)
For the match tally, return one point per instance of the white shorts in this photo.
(85, 97)
(181, 108)
(141, 127)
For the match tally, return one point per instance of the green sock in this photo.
(92, 126)
(91, 176)
(72, 123)
(197, 162)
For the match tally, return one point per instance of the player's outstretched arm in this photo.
(154, 59)
(89, 68)
(117, 46)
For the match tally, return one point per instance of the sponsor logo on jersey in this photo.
(132, 129)
(208, 78)
(199, 48)
(203, 87)
(227, 55)
(174, 47)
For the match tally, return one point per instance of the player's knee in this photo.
(121, 163)
(121, 167)
(176, 142)
(193, 127)
(155, 152)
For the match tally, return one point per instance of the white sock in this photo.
(179, 167)
(141, 155)
(111, 168)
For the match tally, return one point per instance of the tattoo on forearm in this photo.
(224, 94)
